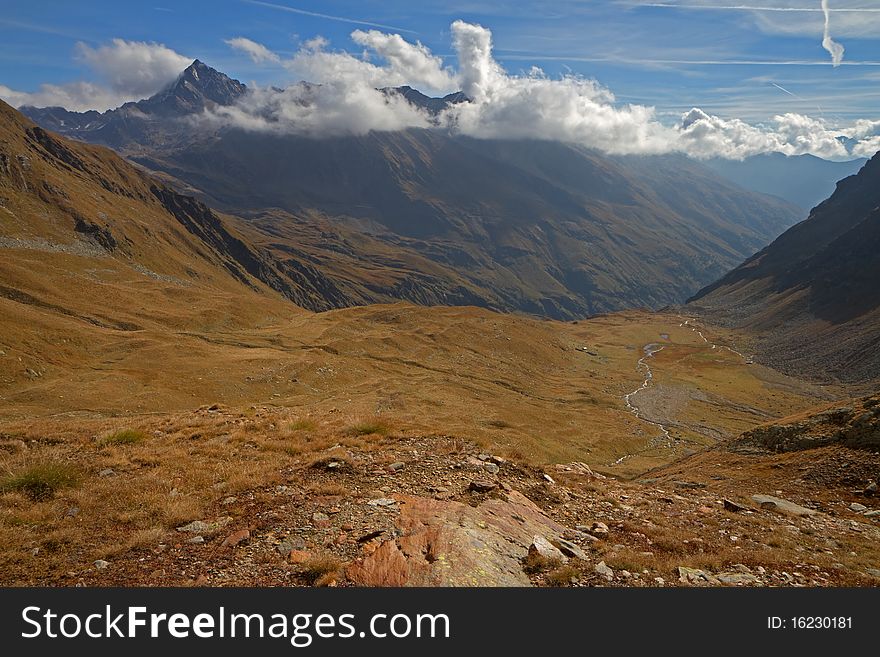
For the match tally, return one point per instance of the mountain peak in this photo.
(200, 86)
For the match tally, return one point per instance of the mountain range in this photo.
(431, 217)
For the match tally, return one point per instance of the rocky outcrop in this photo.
(448, 543)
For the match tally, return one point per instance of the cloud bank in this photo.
(345, 97)
(127, 70)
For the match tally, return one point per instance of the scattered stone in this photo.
(320, 519)
(688, 485)
(100, 564)
(732, 506)
(871, 489)
(106, 472)
(549, 479)
(873, 572)
(482, 486)
(284, 548)
(229, 500)
(382, 501)
(196, 539)
(694, 576)
(858, 508)
(544, 548)
(205, 527)
(599, 529)
(604, 571)
(491, 468)
(397, 467)
(235, 538)
(872, 514)
(569, 549)
(72, 512)
(782, 506)
(737, 579)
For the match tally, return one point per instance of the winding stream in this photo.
(649, 351)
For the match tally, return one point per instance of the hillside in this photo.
(811, 297)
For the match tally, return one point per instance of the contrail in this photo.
(781, 88)
(834, 49)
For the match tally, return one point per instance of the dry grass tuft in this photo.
(40, 480)
(320, 571)
(124, 437)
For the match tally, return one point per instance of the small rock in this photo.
(872, 514)
(106, 472)
(873, 572)
(871, 489)
(544, 548)
(491, 468)
(599, 529)
(549, 479)
(737, 578)
(196, 539)
(569, 549)
(396, 467)
(604, 571)
(782, 506)
(229, 500)
(858, 508)
(730, 505)
(480, 486)
(284, 548)
(205, 527)
(100, 564)
(382, 501)
(72, 512)
(235, 538)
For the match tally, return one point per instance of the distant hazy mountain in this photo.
(423, 215)
(813, 296)
(804, 180)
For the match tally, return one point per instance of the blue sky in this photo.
(747, 63)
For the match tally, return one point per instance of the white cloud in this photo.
(127, 70)
(258, 53)
(400, 63)
(134, 68)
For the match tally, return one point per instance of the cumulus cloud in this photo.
(346, 99)
(127, 70)
(258, 53)
(399, 63)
